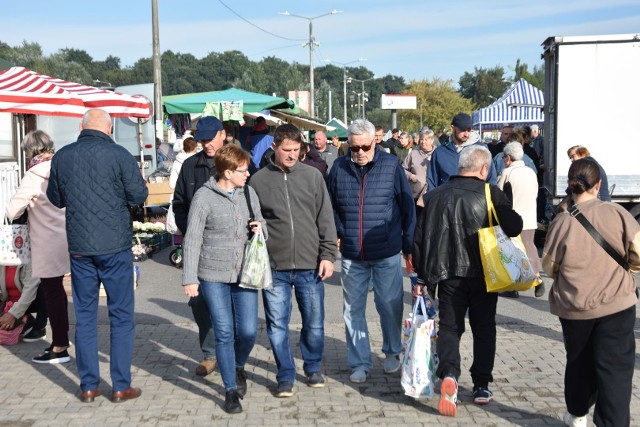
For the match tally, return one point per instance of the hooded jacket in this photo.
(444, 163)
(296, 206)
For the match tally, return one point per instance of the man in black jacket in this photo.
(195, 171)
(97, 181)
(446, 252)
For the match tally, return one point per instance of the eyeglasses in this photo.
(241, 170)
(364, 148)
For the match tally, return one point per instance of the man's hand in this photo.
(8, 322)
(191, 290)
(325, 269)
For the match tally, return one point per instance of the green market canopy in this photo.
(196, 102)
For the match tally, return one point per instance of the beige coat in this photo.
(524, 185)
(588, 283)
(49, 251)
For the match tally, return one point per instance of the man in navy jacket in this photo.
(375, 218)
(444, 161)
(97, 181)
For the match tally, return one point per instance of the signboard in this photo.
(399, 102)
(301, 98)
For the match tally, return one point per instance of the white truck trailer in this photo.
(592, 98)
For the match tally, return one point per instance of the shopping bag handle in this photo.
(491, 210)
(419, 303)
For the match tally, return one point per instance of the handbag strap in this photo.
(575, 212)
(246, 196)
(491, 210)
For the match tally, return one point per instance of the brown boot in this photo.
(205, 367)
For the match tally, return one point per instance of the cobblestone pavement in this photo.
(528, 387)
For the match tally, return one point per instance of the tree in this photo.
(440, 102)
(484, 86)
(536, 78)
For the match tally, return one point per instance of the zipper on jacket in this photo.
(362, 185)
(293, 240)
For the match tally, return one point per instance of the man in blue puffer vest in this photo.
(375, 218)
(97, 181)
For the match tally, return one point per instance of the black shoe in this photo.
(539, 290)
(232, 402)
(509, 294)
(315, 380)
(50, 356)
(35, 335)
(241, 381)
(285, 389)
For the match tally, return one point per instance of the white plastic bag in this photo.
(256, 269)
(420, 360)
(171, 222)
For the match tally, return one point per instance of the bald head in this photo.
(96, 119)
(320, 141)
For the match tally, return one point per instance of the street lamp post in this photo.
(311, 44)
(363, 92)
(344, 81)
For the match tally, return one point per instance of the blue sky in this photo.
(415, 39)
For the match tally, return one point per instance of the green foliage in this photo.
(536, 77)
(440, 102)
(484, 86)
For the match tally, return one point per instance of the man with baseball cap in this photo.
(444, 161)
(195, 171)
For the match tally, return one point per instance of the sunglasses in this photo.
(365, 148)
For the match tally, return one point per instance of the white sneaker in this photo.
(575, 421)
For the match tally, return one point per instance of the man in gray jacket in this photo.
(303, 247)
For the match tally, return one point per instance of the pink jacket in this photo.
(49, 251)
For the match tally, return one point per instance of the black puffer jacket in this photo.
(194, 173)
(97, 181)
(446, 239)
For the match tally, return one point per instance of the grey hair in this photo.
(535, 128)
(360, 127)
(416, 137)
(514, 150)
(472, 158)
(37, 142)
(428, 132)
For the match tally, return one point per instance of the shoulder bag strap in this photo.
(491, 211)
(246, 196)
(598, 238)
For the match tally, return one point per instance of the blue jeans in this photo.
(115, 271)
(386, 276)
(234, 316)
(205, 331)
(309, 291)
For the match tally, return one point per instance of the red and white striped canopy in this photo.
(27, 92)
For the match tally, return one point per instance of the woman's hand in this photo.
(8, 322)
(255, 227)
(417, 290)
(191, 290)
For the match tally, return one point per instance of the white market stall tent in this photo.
(521, 104)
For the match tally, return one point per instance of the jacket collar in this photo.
(94, 134)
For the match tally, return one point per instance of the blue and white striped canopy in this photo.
(521, 104)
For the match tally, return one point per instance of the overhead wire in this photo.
(258, 27)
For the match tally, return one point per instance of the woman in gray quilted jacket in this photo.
(219, 226)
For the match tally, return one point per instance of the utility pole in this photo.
(312, 43)
(344, 82)
(157, 74)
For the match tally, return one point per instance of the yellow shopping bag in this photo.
(504, 260)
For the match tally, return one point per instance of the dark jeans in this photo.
(456, 296)
(205, 331)
(600, 366)
(56, 301)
